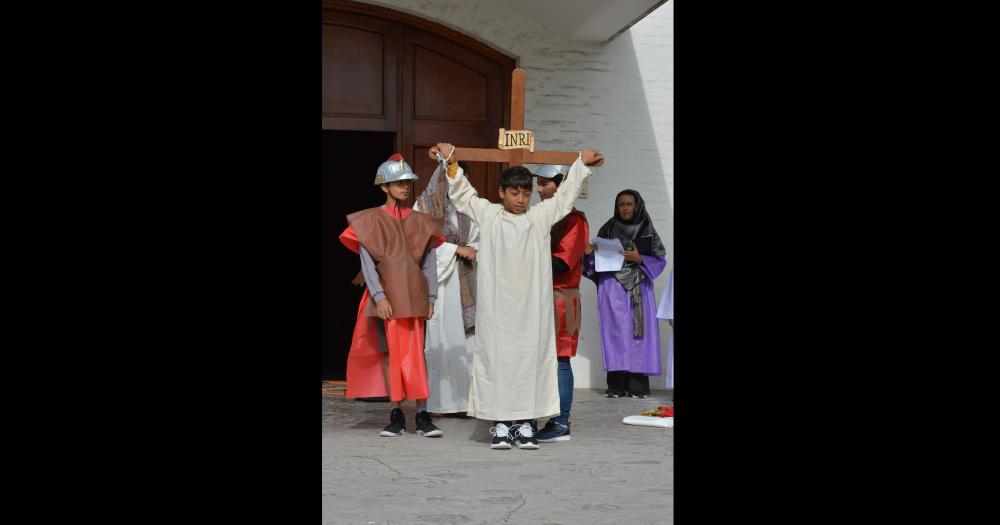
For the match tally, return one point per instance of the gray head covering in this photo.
(551, 170)
(394, 169)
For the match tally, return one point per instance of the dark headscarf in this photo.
(635, 232)
(640, 226)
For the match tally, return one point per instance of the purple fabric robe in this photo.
(614, 307)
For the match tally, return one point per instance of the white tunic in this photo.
(514, 358)
(447, 350)
(666, 311)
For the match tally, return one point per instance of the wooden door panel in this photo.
(468, 134)
(361, 52)
(452, 94)
(478, 177)
(360, 70)
(444, 89)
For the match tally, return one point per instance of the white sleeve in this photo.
(551, 211)
(445, 260)
(465, 199)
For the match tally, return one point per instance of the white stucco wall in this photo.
(616, 97)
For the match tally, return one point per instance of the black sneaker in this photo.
(553, 432)
(637, 396)
(425, 427)
(397, 424)
(613, 393)
(525, 436)
(501, 436)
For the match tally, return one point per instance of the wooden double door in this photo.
(393, 82)
(388, 71)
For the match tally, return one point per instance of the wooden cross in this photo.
(517, 157)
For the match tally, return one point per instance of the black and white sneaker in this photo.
(501, 436)
(553, 432)
(425, 427)
(613, 393)
(397, 424)
(525, 436)
(637, 395)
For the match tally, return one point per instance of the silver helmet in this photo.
(551, 170)
(394, 169)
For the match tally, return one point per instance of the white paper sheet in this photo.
(608, 256)
(650, 421)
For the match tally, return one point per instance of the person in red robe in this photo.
(396, 246)
(570, 237)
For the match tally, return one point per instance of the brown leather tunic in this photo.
(397, 247)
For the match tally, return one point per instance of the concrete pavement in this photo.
(607, 473)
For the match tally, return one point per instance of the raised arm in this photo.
(463, 196)
(553, 210)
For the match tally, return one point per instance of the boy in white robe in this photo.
(513, 376)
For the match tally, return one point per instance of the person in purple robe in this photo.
(630, 333)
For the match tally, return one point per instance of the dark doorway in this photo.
(350, 159)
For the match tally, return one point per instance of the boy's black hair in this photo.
(557, 179)
(516, 177)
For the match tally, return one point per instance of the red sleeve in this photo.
(573, 242)
(350, 240)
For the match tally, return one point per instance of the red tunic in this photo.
(569, 238)
(404, 338)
